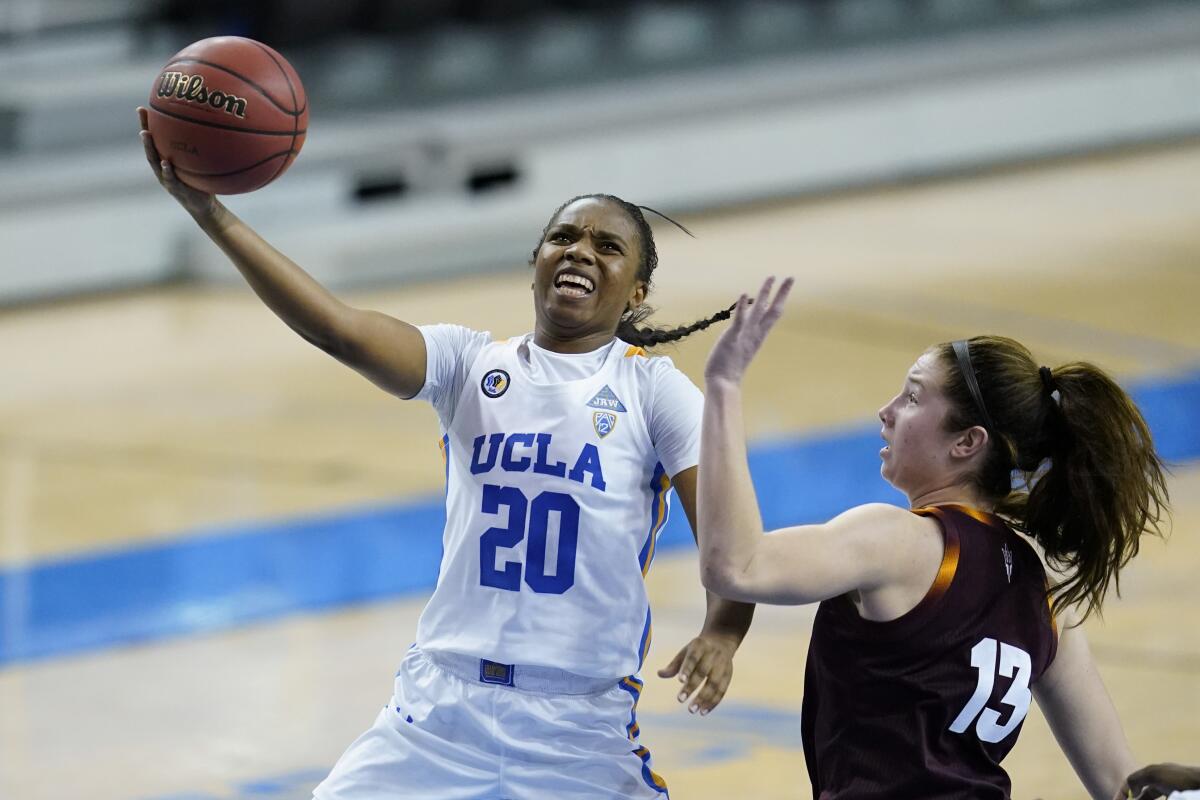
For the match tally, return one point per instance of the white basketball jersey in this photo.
(554, 500)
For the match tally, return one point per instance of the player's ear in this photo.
(637, 296)
(969, 442)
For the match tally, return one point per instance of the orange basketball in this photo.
(229, 114)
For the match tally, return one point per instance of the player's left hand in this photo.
(704, 667)
(736, 346)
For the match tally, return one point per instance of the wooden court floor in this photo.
(147, 417)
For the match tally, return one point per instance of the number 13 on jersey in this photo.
(537, 514)
(983, 659)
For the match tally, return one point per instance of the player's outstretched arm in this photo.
(387, 351)
(865, 548)
(1081, 715)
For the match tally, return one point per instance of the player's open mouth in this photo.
(572, 284)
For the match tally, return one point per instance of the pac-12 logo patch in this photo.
(495, 383)
(604, 422)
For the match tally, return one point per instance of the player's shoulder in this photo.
(454, 335)
(876, 513)
(872, 529)
(900, 528)
(670, 384)
(633, 351)
(883, 521)
(638, 359)
(643, 361)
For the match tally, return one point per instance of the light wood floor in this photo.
(146, 416)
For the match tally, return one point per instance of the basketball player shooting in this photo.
(561, 448)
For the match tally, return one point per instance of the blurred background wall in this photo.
(478, 117)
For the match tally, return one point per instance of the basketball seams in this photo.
(296, 118)
(255, 165)
(286, 77)
(208, 124)
(284, 164)
(244, 79)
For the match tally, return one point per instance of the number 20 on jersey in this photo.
(537, 513)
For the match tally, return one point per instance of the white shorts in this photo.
(448, 735)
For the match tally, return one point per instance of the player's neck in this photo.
(571, 345)
(952, 495)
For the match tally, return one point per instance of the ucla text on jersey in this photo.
(503, 448)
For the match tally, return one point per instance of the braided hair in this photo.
(628, 328)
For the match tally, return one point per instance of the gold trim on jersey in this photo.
(949, 565)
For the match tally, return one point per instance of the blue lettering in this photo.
(568, 540)
(494, 539)
(588, 461)
(508, 577)
(493, 447)
(520, 464)
(587, 464)
(542, 466)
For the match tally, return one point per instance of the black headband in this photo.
(962, 351)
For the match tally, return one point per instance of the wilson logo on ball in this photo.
(191, 88)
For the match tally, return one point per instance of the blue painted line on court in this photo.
(220, 578)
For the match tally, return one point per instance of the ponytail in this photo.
(1088, 481)
(1103, 486)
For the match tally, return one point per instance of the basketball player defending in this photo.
(561, 447)
(934, 631)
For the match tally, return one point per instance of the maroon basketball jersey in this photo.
(927, 705)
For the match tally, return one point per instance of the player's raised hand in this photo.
(196, 203)
(738, 344)
(705, 668)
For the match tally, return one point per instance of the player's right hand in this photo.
(197, 203)
(739, 342)
(1159, 780)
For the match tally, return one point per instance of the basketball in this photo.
(229, 113)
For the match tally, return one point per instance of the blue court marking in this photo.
(214, 580)
(219, 578)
